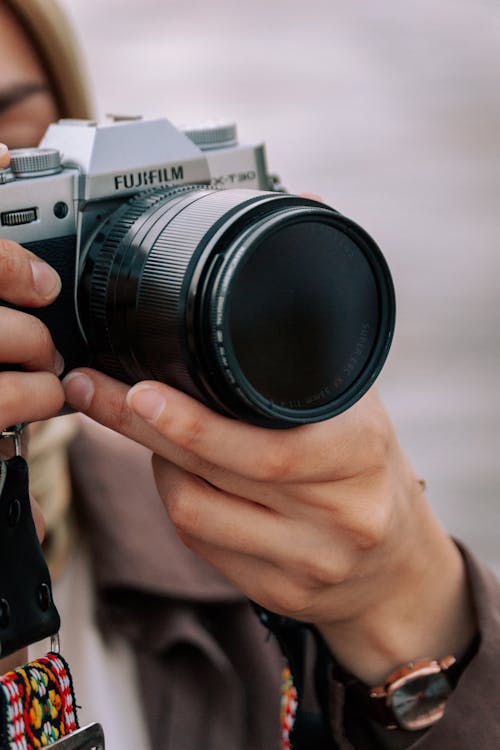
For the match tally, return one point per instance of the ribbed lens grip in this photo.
(105, 256)
(162, 292)
(119, 224)
(137, 263)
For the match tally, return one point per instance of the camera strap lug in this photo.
(90, 737)
(14, 433)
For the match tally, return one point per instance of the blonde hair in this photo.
(58, 49)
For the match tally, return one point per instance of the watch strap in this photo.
(371, 702)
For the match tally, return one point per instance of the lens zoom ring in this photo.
(119, 227)
(160, 308)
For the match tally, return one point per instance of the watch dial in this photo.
(421, 701)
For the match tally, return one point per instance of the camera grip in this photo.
(60, 317)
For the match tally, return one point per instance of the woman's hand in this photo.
(35, 392)
(4, 156)
(325, 522)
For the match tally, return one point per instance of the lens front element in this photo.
(301, 314)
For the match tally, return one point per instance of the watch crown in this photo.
(446, 662)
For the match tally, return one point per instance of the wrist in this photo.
(421, 608)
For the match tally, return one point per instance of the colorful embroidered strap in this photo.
(288, 707)
(37, 704)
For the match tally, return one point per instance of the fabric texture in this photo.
(37, 704)
(104, 670)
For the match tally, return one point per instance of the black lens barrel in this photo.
(268, 307)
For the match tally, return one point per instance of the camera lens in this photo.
(268, 307)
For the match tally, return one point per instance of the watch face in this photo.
(419, 701)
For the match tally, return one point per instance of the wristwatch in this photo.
(413, 697)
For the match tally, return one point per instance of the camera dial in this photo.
(35, 162)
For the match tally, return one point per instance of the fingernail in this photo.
(46, 280)
(146, 402)
(3, 149)
(58, 364)
(79, 390)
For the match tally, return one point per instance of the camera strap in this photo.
(37, 704)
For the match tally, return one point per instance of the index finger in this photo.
(308, 453)
(4, 156)
(25, 279)
(151, 412)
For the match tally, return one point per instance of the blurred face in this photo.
(27, 105)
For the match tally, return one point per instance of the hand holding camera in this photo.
(324, 522)
(26, 281)
(267, 307)
(167, 285)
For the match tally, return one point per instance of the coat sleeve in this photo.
(472, 716)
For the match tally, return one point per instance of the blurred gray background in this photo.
(391, 112)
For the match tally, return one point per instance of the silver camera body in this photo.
(267, 307)
(53, 198)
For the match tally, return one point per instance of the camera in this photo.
(182, 261)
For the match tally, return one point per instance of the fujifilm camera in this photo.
(182, 262)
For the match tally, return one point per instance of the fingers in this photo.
(264, 583)
(26, 341)
(314, 452)
(25, 280)
(315, 555)
(218, 518)
(325, 450)
(104, 399)
(29, 397)
(4, 156)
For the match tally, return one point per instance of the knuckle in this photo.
(9, 259)
(57, 393)
(192, 433)
(41, 334)
(11, 397)
(376, 524)
(321, 571)
(29, 397)
(181, 510)
(290, 599)
(378, 441)
(324, 565)
(371, 525)
(118, 414)
(275, 466)
(123, 416)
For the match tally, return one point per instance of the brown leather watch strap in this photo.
(374, 702)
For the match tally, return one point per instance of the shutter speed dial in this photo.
(35, 162)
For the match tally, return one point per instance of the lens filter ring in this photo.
(302, 315)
